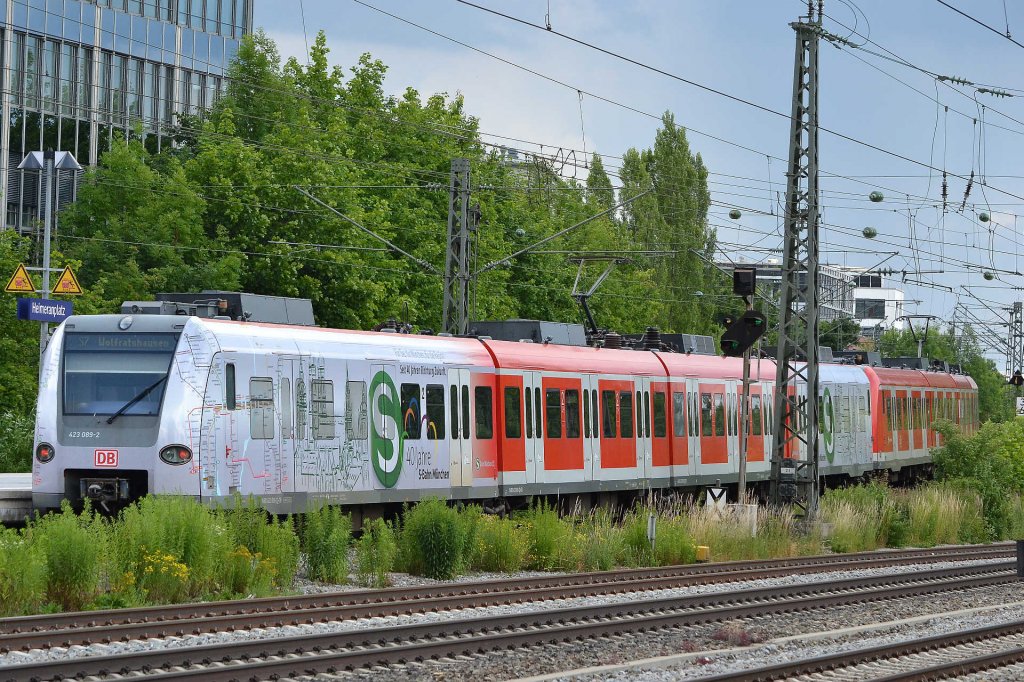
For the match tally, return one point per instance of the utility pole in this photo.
(457, 278)
(1015, 354)
(795, 420)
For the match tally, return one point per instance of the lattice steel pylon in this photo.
(455, 313)
(795, 419)
(1015, 352)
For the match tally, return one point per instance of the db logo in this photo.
(106, 458)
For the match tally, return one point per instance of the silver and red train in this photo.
(135, 405)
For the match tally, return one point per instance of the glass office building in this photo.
(79, 73)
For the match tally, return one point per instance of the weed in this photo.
(433, 540)
(22, 574)
(376, 552)
(16, 442)
(501, 545)
(74, 547)
(547, 535)
(326, 534)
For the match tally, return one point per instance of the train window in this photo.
(847, 421)
(639, 416)
(755, 415)
(732, 423)
(513, 413)
(705, 414)
(229, 387)
(484, 413)
(625, 414)
(572, 413)
(465, 412)
(286, 408)
(719, 414)
(553, 410)
(660, 415)
(453, 400)
(435, 412)
(411, 411)
(678, 413)
(355, 409)
(300, 409)
(261, 408)
(529, 413)
(586, 413)
(322, 395)
(538, 412)
(608, 420)
(647, 414)
(593, 411)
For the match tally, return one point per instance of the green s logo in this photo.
(828, 425)
(385, 414)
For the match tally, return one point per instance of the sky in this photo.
(893, 117)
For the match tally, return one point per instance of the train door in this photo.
(732, 424)
(643, 426)
(287, 371)
(929, 398)
(460, 413)
(693, 428)
(591, 435)
(903, 421)
(714, 447)
(533, 420)
(755, 425)
(916, 410)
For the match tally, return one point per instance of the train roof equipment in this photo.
(227, 305)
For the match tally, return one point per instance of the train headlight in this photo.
(176, 454)
(45, 452)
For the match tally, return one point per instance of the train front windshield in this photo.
(104, 372)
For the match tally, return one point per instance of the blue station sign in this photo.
(43, 310)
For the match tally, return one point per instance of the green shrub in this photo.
(175, 526)
(672, 542)
(433, 540)
(547, 536)
(326, 534)
(248, 575)
(501, 545)
(16, 442)
(74, 547)
(599, 542)
(636, 547)
(22, 575)
(376, 552)
(273, 539)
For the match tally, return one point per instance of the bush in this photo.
(547, 536)
(376, 552)
(501, 545)
(272, 539)
(74, 547)
(326, 534)
(433, 540)
(248, 574)
(16, 442)
(179, 527)
(22, 574)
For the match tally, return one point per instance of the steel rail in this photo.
(166, 621)
(326, 652)
(849, 659)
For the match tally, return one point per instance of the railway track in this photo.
(309, 654)
(918, 660)
(104, 627)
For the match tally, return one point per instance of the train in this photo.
(131, 405)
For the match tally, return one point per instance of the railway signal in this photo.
(743, 333)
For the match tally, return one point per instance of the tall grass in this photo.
(502, 545)
(326, 534)
(74, 547)
(376, 553)
(22, 574)
(547, 535)
(433, 541)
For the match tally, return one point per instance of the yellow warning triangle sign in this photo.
(67, 283)
(20, 282)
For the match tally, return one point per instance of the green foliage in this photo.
(19, 350)
(157, 527)
(326, 534)
(272, 539)
(74, 546)
(16, 442)
(501, 545)
(22, 574)
(433, 540)
(376, 553)
(547, 535)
